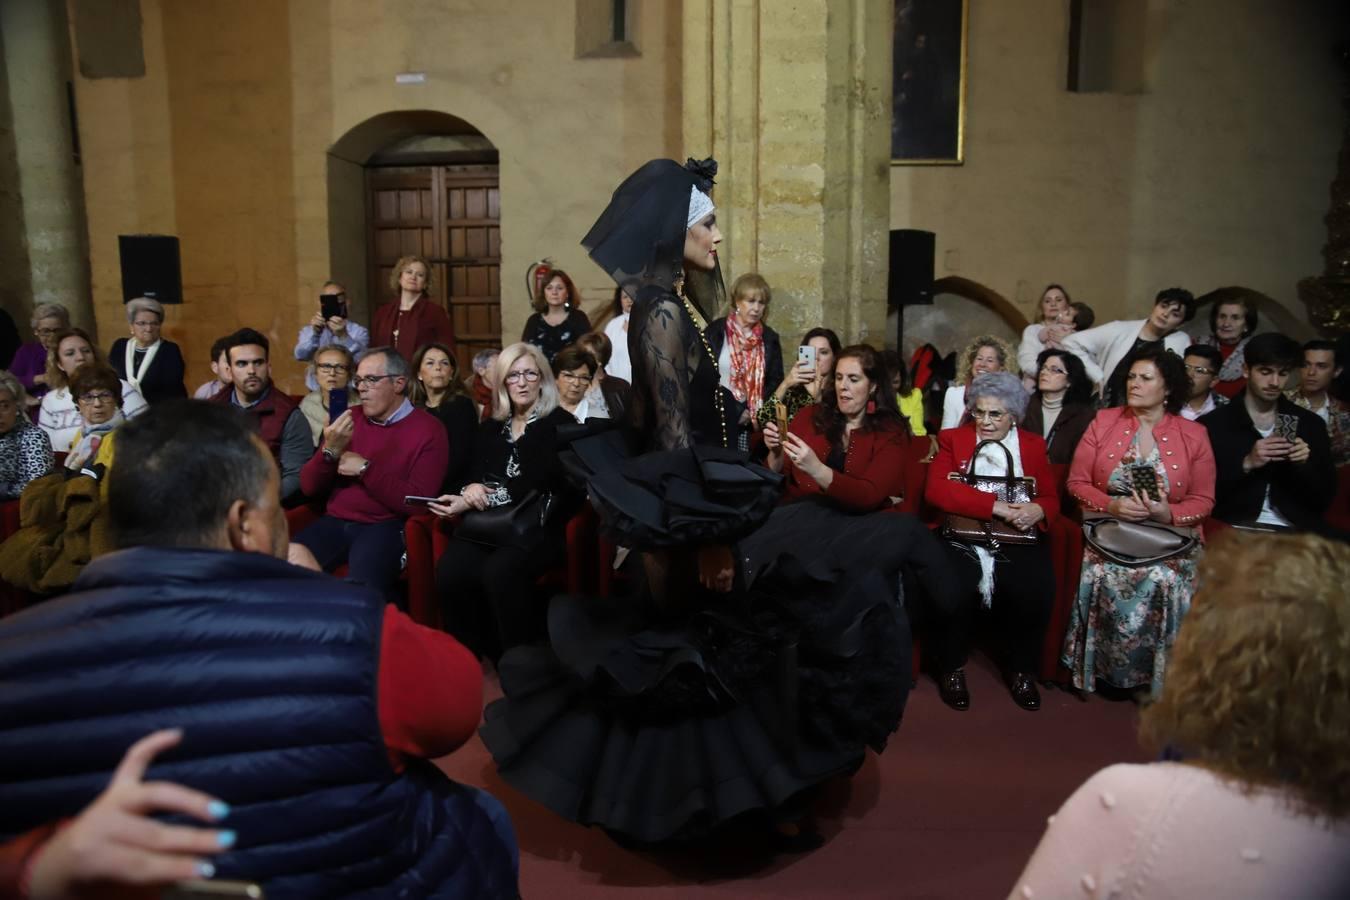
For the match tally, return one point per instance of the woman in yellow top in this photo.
(907, 396)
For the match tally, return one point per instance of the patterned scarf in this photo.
(89, 438)
(747, 362)
(1237, 358)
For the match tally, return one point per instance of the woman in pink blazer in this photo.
(1125, 619)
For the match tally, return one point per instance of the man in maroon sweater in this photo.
(370, 459)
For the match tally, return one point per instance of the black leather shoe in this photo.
(1024, 692)
(952, 688)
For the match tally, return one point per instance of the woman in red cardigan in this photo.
(1016, 580)
(415, 319)
(1124, 621)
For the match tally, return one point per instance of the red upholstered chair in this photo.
(425, 542)
(1066, 555)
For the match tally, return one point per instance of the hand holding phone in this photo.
(330, 306)
(806, 357)
(337, 403)
(1286, 426)
(1144, 479)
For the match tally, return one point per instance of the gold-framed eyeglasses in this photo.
(529, 376)
(988, 415)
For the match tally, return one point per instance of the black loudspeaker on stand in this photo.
(911, 273)
(150, 267)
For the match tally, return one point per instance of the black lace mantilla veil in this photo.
(639, 241)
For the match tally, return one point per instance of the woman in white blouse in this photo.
(619, 365)
(59, 416)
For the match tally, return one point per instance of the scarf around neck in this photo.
(747, 362)
(134, 375)
(88, 440)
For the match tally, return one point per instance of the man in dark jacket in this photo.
(304, 702)
(1272, 459)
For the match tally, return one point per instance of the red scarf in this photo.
(747, 363)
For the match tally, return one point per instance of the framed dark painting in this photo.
(929, 82)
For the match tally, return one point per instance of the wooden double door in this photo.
(451, 215)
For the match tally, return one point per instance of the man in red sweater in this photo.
(370, 459)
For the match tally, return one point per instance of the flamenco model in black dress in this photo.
(663, 715)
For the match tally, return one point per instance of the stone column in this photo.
(793, 101)
(48, 191)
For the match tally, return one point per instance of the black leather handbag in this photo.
(1009, 488)
(509, 525)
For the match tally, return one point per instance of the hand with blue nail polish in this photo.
(115, 848)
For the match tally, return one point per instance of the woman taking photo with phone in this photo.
(1145, 465)
(332, 372)
(513, 511)
(806, 380)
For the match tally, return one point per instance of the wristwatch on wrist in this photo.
(329, 455)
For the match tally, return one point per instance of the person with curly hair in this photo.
(1256, 707)
(1141, 463)
(983, 355)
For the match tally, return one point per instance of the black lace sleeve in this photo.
(659, 346)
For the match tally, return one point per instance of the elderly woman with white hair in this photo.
(993, 481)
(152, 365)
(25, 450)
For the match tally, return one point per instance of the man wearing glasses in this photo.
(330, 326)
(281, 424)
(373, 457)
(1202, 362)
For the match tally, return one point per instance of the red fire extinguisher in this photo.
(536, 276)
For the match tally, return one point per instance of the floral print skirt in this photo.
(1125, 619)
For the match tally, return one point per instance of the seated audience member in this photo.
(983, 355)
(1061, 407)
(29, 364)
(59, 415)
(1273, 458)
(1015, 579)
(610, 394)
(436, 388)
(220, 367)
(9, 340)
(749, 353)
(850, 447)
(367, 697)
(333, 331)
(25, 450)
(98, 394)
(558, 319)
(1231, 325)
(333, 371)
(804, 382)
(151, 364)
(1321, 366)
(65, 522)
(1202, 363)
(573, 371)
(1054, 324)
(281, 424)
(372, 457)
(485, 579)
(619, 365)
(1255, 703)
(908, 398)
(481, 387)
(1125, 618)
(1104, 349)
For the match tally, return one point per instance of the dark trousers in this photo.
(1024, 592)
(373, 551)
(488, 594)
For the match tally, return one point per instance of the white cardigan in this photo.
(60, 418)
(1102, 348)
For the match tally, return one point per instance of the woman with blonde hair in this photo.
(150, 364)
(59, 415)
(981, 356)
(486, 575)
(1257, 708)
(749, 352)
(557, 320)
(414, 319)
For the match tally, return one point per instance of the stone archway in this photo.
(397, 184)
(961, 309)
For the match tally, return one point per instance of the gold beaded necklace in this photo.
(707, 347)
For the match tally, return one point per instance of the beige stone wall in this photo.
(225, 142)
(1217, 175)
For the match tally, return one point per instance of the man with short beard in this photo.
(1320, 368)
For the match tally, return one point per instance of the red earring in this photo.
(871, 406)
